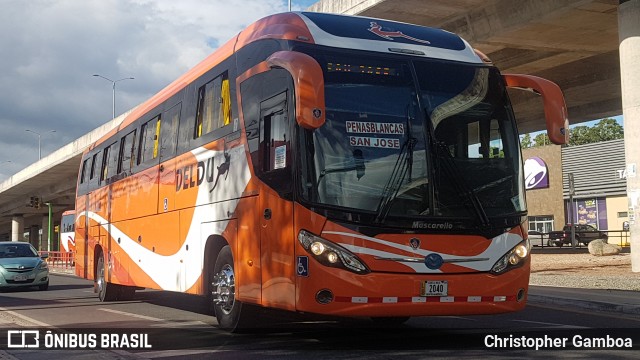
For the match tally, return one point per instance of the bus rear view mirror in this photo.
(555, 108)
(308, 83)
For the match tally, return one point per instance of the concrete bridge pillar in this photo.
(17, 228)
(629, 33)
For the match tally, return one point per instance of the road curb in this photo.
(584, 304)
(62, 272)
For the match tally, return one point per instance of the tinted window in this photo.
(83, 172)
(149, 140)
(126, 152)
(109, 161)
(169, 132)
(214, 106)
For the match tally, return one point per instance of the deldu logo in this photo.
(23, 339)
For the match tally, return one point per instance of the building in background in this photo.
(544, 195)
(600, 185)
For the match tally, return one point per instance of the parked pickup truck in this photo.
(584, 234)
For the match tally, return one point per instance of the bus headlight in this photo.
(330, 254)
(512, 259)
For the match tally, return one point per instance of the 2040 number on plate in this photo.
(435, 288)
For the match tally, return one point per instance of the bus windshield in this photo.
(421, 139)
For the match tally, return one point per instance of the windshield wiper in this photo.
(358, 166)
(403, 165)
(445, 160)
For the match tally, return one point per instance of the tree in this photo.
(541, 140)
(525, 142)
(604, 130)
(607, 129)
(579, 135)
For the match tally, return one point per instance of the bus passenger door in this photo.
(276, 207)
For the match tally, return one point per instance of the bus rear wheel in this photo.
(229, 312)
(106, 291)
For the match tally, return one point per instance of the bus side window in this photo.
(109, 161)
(214, 106)
(105, 163)
(94, 163)
(149, 135)
(126, 153)
(169, 132)
(83, 172)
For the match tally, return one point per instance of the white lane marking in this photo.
(460, 318)
(6, 356)
(138, 316)
(165, 322)
(25, 318)
(553, 324)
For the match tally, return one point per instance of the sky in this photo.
(51, 49)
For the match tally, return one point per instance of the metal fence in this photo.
(619, 237)
(59, 259)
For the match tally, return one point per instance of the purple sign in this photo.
(591, 212)
(536, 175)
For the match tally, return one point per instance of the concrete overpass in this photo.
(575, 43)
(52, 180)
(572, 42)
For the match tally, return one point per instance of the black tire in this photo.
(43, 287)
(230, 313)
(106, 291)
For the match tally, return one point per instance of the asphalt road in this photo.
(177, 325)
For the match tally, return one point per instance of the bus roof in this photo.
(340, 31)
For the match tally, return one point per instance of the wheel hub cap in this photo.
(223, 289)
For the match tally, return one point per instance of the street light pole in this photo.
(39, 141)
(113, 94)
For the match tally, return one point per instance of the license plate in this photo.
(434, 288)
(20, 277)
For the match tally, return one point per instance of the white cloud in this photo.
(52, 47)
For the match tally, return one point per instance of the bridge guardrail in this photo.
(59, 259)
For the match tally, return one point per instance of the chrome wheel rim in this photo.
(100, 279)
(223, 289)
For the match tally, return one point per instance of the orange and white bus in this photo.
(322, 164)
(67, 232)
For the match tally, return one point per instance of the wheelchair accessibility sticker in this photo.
(303, 266)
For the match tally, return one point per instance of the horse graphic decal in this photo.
(389, 35)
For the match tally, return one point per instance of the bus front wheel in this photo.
(229, 312)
